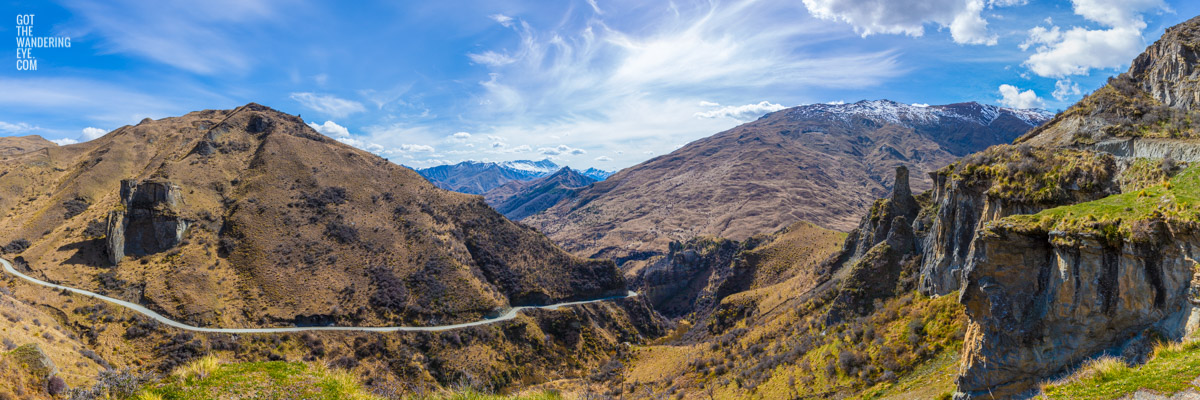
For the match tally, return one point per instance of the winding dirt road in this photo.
(512, 313)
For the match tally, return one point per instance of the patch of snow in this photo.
(920, 114)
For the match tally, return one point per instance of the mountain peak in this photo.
(884, 110)
(1167, 69)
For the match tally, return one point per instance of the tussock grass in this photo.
(1170, 370)
(198, 369)
(208, 378)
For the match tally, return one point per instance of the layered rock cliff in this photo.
(1039, 300)
(1104, 267)
(147, 220)
(1002, 181)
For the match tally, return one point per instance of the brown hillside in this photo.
(12, 145)
(821, 163)
(286, 226)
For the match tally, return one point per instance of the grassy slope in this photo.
(1170, 371)
(208, 378)
(793, 356)
(1177, 199)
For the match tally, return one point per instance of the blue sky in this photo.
(588, 83)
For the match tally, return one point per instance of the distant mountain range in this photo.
(520, 199)
(476, 177)
(824, 163)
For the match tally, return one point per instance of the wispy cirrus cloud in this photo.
(10, 128)
(328, 104)
(194, 37)
(598, 86)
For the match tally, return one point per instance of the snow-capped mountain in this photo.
(539, 168)
(477, 177)
(597, 174)
(900, 113)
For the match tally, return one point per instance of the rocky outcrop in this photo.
(878, 225)
(147, 221)
(876, 255)
(1133, 148)
(1000, 182)
(693, 276)
(1168, 68)
(962, 207)
(34, 361)
(1039, 301)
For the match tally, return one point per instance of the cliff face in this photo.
(148, 221)
(1039, 301)
(999, 182)
(1106, 266)
(1167, 69)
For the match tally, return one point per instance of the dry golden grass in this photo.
(255, 192)
(198, 369)
(22, 324)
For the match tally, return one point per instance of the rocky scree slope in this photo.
(224, 216)
(820, 163)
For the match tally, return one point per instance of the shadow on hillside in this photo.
(88, 252)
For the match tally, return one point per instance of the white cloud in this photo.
(603, 158)
(561, 149)
(502, 19)
(746, 112)
(330, 128)
(64, 141)
(461, 135)
(361, 144)
(909, 17)
(492, 58)
(90, 133)
(922, 105)
(1013, 97)
(416, 148)
(11, 128)
(327, 104)
(1077, 51)
(607, 86)
(587, 71)
(1116, 12)
(1065, 88)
